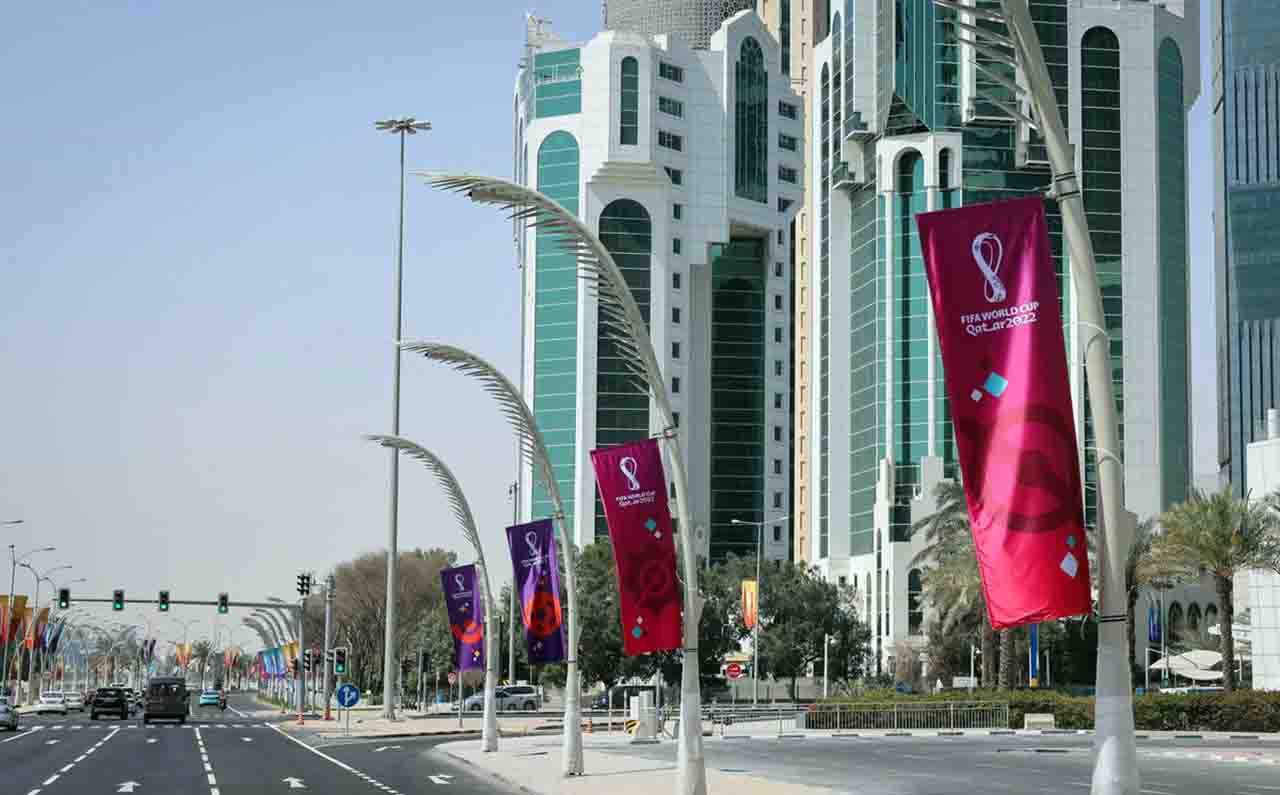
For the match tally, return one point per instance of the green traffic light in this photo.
(117, 601)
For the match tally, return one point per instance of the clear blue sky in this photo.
(199, 225)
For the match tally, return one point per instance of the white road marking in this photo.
(50, 779)
(326, 757)
(294, 783)
(47, 742)
(440, 778)
(67, 767)
(213, 782)
(19, 736)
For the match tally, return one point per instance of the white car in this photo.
(8, 715)
(51, 702)
(75, 701)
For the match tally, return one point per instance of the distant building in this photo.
(692, 21)
(1264, 586)
(1246, 127)
(688, 163)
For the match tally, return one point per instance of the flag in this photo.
(14, 616)
(35, 627)
(999, 322)
(466, 616)
(633, 489)
(4, 620)
(55, 635)
(750, 603)
(537, 575)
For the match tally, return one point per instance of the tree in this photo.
(1138, 571)
(1219, 534)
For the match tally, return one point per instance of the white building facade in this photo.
(900, 126)
(1263, 469)
(688, 165)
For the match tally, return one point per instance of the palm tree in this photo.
(1139, 570)
(951, 579)
(200, 651)
(1219, 534)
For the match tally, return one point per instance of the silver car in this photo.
(8, 715)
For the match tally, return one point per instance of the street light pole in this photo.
(328, 642)
(401, 127)
(13, 574)
(755, 633)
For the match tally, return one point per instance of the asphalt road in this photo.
(1059, 764)
(214, 753)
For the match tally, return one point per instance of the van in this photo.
(167, 697)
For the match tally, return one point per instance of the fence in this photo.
(919, 715)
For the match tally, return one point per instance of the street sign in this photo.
(348, 696)
(733, 671)
(453, 678)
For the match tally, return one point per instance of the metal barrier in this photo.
(908, 715)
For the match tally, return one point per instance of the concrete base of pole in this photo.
(691, 770)
(489, 731)
(572, 747)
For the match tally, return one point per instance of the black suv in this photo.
(110, 701)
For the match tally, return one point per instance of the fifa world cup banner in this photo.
(466, 616)
(537, 576)
(996, 306)
(750, 604)
(633, 488)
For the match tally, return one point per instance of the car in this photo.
(210, 698)
(8, 714)
(53, 702)
(75, 701)
(110, 701)
(167, 697)
(620, 696)
(525, 697)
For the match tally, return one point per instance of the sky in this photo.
(197, 281)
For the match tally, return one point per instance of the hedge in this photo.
(1243, 710)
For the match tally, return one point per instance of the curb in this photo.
(483, 773)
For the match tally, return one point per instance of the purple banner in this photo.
(533, 559)
(466, 616)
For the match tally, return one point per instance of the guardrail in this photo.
(903, 716)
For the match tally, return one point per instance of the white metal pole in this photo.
(826, 663)
(755, 634)
(328, 645)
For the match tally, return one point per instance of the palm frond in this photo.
(510, 402)
(620, 316)
(457, 500)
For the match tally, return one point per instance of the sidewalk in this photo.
(532, 765)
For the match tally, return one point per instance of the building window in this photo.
(671, 107)
(675, 281)
(670, 72)
(777, 334)
(787, 110)
(675, 314)
(673, 490)
(915, 603)
(777, 533)
(675, 418)
(630, 118)
(777, 400)
(777, 499)
(677, 211)
(751, 124)
(777, 302)
(675, 175)
(675, 350)
(781, 238)
(777, 269)
(670, 141)
(784, 204)
(788, 174)
(788, 142)
(777, 466)
(777, 367)
(675, 384)
(777, 433)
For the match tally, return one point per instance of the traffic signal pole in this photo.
(328, 640)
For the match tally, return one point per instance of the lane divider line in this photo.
(20, 736)
(365, 776)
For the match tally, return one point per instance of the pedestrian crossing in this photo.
(108, 726)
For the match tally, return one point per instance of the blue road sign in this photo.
(348, 696)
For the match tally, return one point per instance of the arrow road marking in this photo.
(247, 739)
(294, 783)
(152, 740)
(386, 748)
(51, 742)
(128, 786)
(440, 778)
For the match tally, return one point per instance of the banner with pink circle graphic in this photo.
(537, 576)
(465, 605)
(633, 488)
(999, 321)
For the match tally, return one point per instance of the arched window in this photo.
(1193, 623)
(915, 603)
(630, 116)
(751, 124)
(1210, 621)
(1177, 626)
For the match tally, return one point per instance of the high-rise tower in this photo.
(693, 21)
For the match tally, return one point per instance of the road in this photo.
(1059, 764)
(214, 753)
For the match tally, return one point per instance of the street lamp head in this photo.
(12, 521)
(408, 125)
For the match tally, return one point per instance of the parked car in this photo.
(110, 701)
(75, 701)
(8, 715)
(52, 702)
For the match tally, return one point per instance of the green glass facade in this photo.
(751, 124)
(1100, 143)
(824, 319)
(1175, 320)
(738, 277)
(555, 321)
(557, 83)
(622, 404)
(629, 117)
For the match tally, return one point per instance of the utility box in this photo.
(1039, 720)
(644, 717)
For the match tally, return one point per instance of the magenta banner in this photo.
(633, 488)
(999, 321)
(466, 616)
(537, 576)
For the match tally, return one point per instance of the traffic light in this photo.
(340, 660)
(117, 599)
(304, 585)
(223, 599)
(164, 601)
(64, 598)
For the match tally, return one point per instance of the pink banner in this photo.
(996, 306)
(633, 488)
